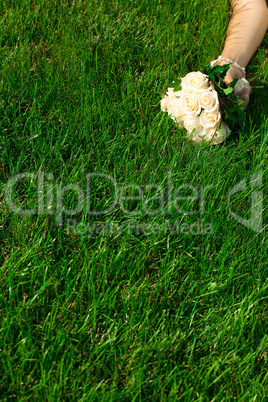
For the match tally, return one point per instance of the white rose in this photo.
(211, 134)
(209, 100)
(173, 95)
(194, 82)
(169, 98)
(225, 129)
(176, 111)
(221, 136)
(191, 123)
(215, 136)
(196, 138)
(190, 103)
(209, 119)
(164, 103)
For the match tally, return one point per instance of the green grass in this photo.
(148, 313)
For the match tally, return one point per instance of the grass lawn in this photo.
(156, 296)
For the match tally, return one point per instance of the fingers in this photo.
(242, 89)
(244, 95)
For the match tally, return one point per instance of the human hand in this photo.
(242, 88)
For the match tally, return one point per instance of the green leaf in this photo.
(219, 90)
(228, 91)
(177, 88)
(207, 69)
(240, 118)
(219, 70)
(232, 83)
(211, 76)
(231, 116)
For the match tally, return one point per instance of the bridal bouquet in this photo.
(203, 104)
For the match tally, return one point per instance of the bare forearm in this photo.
(246, 30)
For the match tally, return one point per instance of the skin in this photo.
(246, 30)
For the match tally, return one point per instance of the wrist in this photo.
(235, 70)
